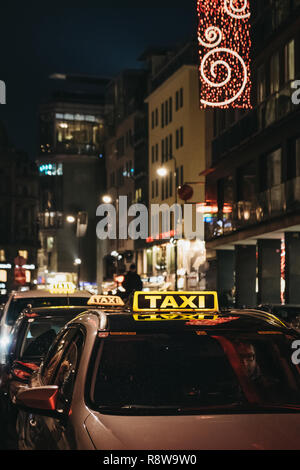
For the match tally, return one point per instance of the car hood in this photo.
(203, 432)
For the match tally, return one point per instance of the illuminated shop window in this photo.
(2, 255)
(3, 275)
(23, 253)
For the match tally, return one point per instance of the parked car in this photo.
(17, 301)
(288, 313)
(32, 335)
(172, 374)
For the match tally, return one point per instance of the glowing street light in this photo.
(77, 261)
(162, 172)
(107, 199)
(70, 219)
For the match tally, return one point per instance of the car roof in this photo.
(54, 310)
(233, 320)
(45, 293)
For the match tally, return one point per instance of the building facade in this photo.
(126, 160)
(253, 189)
(177, 139)
(18, 218)
(71, 176)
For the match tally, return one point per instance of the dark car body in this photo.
(32, 335)
(289, 313)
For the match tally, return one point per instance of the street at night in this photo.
(150, 230)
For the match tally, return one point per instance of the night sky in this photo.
(37, 41)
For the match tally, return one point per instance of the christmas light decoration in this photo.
(224, 50)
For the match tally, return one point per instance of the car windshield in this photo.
(39, 335)
(17, 305)
(186, 372)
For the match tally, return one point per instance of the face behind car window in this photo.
(17, 305)
(190, 370)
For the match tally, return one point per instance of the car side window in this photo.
(66, 373)
(54, 356)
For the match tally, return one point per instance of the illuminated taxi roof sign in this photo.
(175, 301)
(106, 301)
(62, 288)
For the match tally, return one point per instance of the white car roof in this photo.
(45, 293)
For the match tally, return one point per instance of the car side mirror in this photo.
(39, 401)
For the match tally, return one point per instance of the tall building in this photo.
(253, 189)
(177, 140)
(126, 159)
(18, 217)
(71, 174)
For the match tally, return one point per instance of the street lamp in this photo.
(70, 219)
(107, 199)
(162, 172)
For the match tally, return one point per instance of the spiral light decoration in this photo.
(224, 49)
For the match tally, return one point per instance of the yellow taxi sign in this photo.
(106, 301)
(62, 288)
(176, 301)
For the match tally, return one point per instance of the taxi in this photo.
(62, 293)
(171, 373)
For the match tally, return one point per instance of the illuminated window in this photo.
(3, 275)
(51, 169)
(27, 276)
(289, 61)
(23, 253)
(2, 255)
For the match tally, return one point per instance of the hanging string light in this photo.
(224, 50)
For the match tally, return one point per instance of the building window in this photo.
(177, 101)
(2, 256)
(289, 61)
(152, 120)
(167, 149)
(23, 253)
(261, 84)
(156, 117)
(156, 188)
(156, 152)
(163, 115)
(167, 112)
(153, 154)
(170, 146)
(162, 151)
(170, 109)
(271, 174)
(293, 160)
(181, 137)
(181, 97)
(274, 73)
(51, 169)
(171, 183)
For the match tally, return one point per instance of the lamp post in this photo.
(162, 172)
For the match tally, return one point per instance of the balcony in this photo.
(276, 107)
(275, 202)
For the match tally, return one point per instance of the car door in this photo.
(59, 368)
